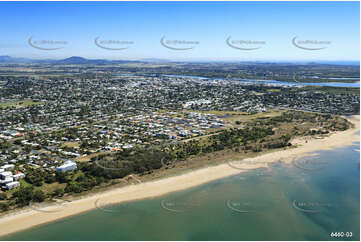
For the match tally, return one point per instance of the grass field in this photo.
(71, 144)
(19, 104)
(88, 157)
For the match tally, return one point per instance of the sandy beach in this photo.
(28, 218)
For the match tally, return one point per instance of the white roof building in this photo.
(67, 166)
(5, 174)
(12, 185)
(19, 176)
(8, 167)
(6, 180)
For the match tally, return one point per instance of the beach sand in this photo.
(28, 218)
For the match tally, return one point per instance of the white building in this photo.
(127, 146)
(7, 180)
(18, 176)
(12, 185)
(67, 166)
(8, 167)
(5, 174)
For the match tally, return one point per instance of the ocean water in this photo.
(307, 200)
(283, 83)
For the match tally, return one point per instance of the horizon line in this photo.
(180, 60)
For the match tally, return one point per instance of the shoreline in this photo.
(29, 218)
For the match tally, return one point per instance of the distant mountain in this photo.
(155, 60)
(77, 60)
(4, 58)
(9, 59)
(74, 60)
(347, 63)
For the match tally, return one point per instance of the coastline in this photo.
(29, 218)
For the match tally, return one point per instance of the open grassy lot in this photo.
(71, 144)
(88, 157)
(19, 104)
(338, 90)
(274, 90)
(232, 116)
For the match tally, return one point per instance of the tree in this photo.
(61, 177)
(4, 206)
(3, 196)
(73, 187)
(23, 195)
(58, 192)
(50, 178)
(38, 196)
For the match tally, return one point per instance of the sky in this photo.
(194, 31)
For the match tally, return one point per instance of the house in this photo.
(183, 133)
(8, 167)
(12, 185)
(127, 146)
(5, 174)
(67, 166)
(7, 180)
(18, 176)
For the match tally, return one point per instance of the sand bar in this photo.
(28, 218)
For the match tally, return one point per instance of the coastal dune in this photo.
(32, 217)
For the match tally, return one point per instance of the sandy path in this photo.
(29, 218)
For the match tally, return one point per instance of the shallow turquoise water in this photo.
(304, 201)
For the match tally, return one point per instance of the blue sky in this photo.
(273, 24)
